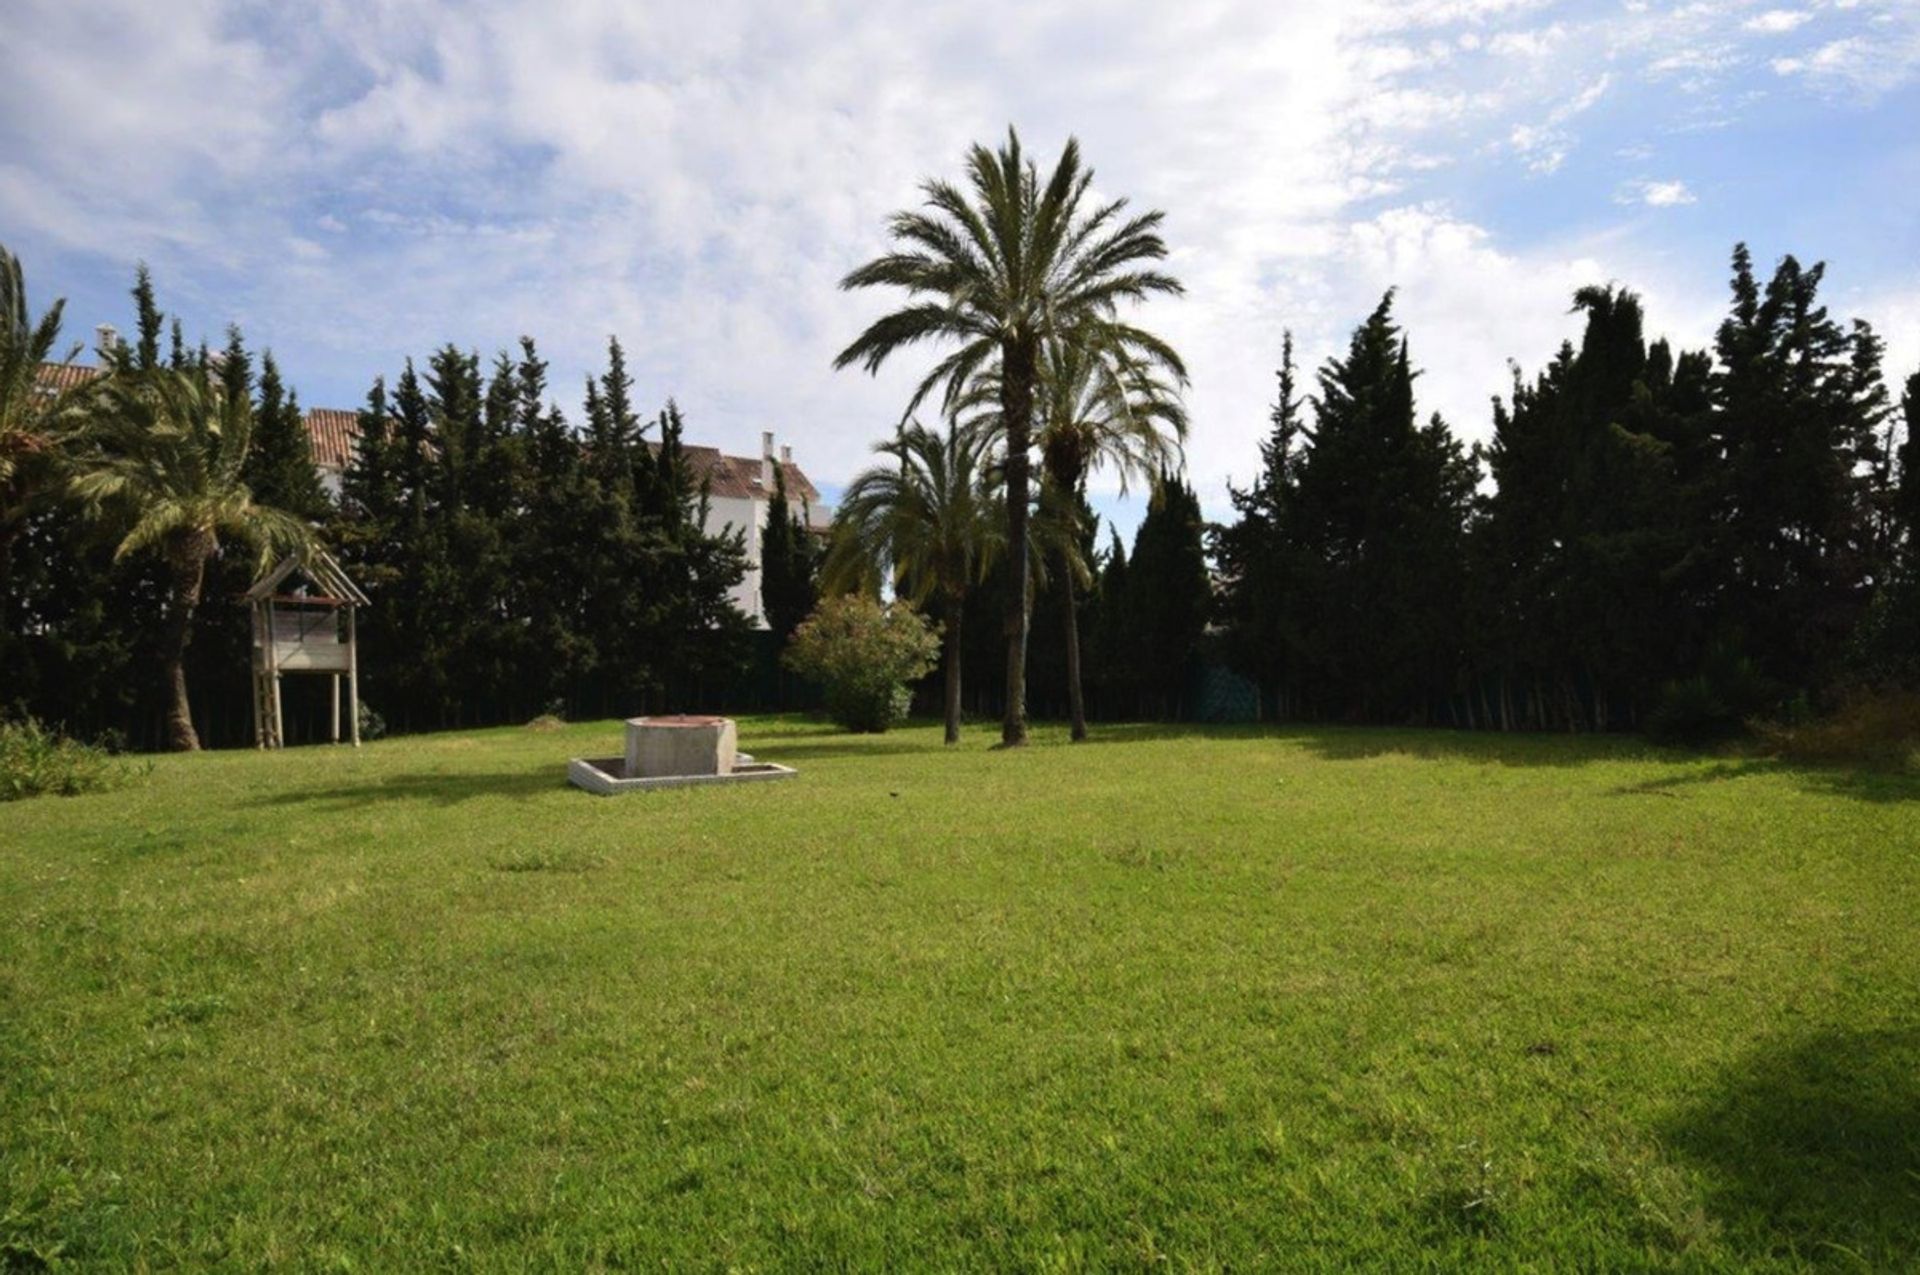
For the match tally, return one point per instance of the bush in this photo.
(863, 654)
(1868, 729)
(1885, 650)
(35, 760)
(1716, 704)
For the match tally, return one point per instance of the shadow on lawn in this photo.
(1530, 749)
(1861, 783)
(1812, 1149)
(1358, 743)
(840, 745)
(440, 788)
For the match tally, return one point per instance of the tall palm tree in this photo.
(926, 522)
(160, 451)
(1005, 270)
(1098, 412)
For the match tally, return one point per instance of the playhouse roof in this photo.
(321, 569)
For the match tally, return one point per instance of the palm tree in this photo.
(28, 415)
(1097, 409)
(162, 450)
(927, 522)
(1014, 268)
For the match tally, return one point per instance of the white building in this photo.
(739, 491)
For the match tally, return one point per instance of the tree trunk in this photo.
(1076, 699)
(1016, 409)
(955, 606)
(188, 564)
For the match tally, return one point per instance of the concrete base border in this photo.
(604, 776)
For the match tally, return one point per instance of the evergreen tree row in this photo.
(1675, 540)
(518, 564)
(521, 566)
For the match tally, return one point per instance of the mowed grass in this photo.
(1185, 998)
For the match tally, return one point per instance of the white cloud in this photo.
(357, 183)
(1777, 21)
(1656, 194)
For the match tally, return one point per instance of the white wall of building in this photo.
(749, 517)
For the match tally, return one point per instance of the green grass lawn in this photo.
(1175, 997)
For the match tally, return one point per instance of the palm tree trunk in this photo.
(1076, 700)
(1016, 408)
(955, 606)
(189, 567)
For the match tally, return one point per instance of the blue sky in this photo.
(356, 182)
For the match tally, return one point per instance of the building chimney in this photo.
(766, 460)
(786, 454)
(106, 339)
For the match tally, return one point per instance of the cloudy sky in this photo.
(356, 182)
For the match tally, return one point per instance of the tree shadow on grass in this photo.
(840, 745)
(439, 788)
(1535, 749)
(1359, 743)
(1812, 1149)
(1861, 783)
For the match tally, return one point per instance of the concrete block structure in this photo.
(680, 745)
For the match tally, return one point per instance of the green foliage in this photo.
(279, 467)
(1350, 564)
(149, 322)
(159, 460)
(517, 564)
(36, 761)
(1156, 604)
(1885, 647)
(1715, 703)
(1672, 540)
(1016, 271)
(863, 653)
(924, 524)
(1869, 728)
(27, 420)
(789, 561)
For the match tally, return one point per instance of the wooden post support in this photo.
(335, 722)
(274, 737)
(353, 677)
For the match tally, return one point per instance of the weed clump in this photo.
(35, 760)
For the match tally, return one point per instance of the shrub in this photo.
(1715, 704)
(1880, 729)
(35, 760)
(1885, 650)
(863, 654)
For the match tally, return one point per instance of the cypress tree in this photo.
(148, 319)
(1375, 539)
(1168, 595)
(279, 467)
(1799, 404)
(236, 367)
(1253, 551)
(787, 564)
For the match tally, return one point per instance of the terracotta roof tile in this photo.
(332, 434)
(56, 378)
(738, 477)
